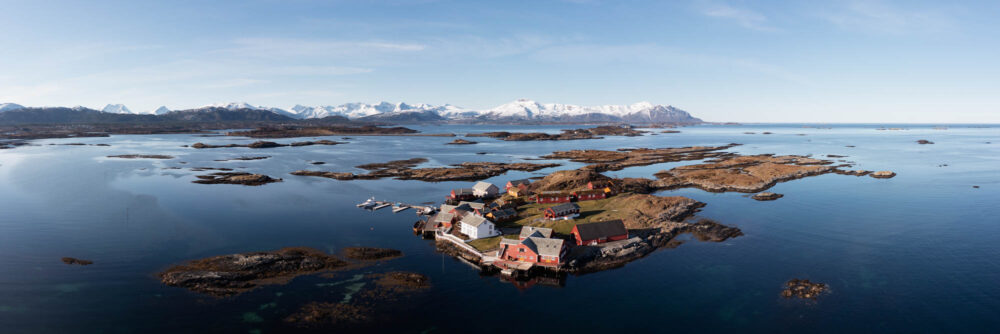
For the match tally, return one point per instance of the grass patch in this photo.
(485, 244)
(590, 211)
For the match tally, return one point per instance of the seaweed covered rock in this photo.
(803, 289)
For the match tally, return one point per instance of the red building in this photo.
(565, 210)
(536, 248)
(523, 183)
(553, 197)
(600, 232)
(589, 195)
(462, 194)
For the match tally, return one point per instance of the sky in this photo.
(740, 61)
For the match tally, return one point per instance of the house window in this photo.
(520, 250)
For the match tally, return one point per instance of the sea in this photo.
(917, 253)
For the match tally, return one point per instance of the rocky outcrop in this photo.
(371, 253)
(803, 289)
(141, 156)
(227, 275)
(461, 141)
(924, 142)
(72, 261)
(318, 131)
(601, 160)
(767, 196)
(404, 170)
(748, 174)
(268, 144)
(567, 180)
(246, 179)
(883, 174)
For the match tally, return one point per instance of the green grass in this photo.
(590, 211)
(485, 244)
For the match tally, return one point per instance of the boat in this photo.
(367, 204)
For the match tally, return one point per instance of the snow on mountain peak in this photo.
(161, 110)
(10, 106)
(116, 109)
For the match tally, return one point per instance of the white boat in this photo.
(367, 204)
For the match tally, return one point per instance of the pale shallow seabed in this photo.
(916, 253)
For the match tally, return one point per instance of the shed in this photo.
(599, 232)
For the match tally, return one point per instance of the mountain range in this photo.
(518, 111)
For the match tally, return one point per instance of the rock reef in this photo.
(883, 174)
(767, 196)
(461, 141)
(72, 261)
(246, 179)
(405, 170)
(141, 156)
(318, 131)
(803, 289)
(601, 160)
(747, 174)
(268, 144)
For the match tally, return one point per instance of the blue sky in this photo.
(766, 61)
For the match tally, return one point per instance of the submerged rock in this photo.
(767, 196)
(71, 261)
(317, 313)
(924, 142)
(461, 141)
(803, 289)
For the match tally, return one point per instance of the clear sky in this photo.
(763, 61)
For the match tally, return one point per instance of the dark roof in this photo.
(520, 182)
(603, 229)
(564, 207)
(505, 213)
(553, 194)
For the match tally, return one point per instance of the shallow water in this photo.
(916, 253)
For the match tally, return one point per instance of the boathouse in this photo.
(562, 211)
(600, 232)
(476, 226)
(485, 190)
(590, 195)
(443, 219)
(553, 197)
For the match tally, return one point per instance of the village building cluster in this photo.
(474, 213)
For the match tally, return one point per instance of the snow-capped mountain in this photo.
(525, 109)
(10, 106)
(161, 110)
(116, 109)
(359, 110)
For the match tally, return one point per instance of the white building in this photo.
(485, 189)
(476, 226)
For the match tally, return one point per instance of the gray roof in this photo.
(531, 231)
(483, 186)
(463, 191)
(443, 217)
(505, 213)
(473, 219)
(447, 208)
(546, 246)
(474, 205)
(565, 207)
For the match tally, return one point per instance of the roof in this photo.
(443, 217)
(474, 205)
(520, 182)
(531, 231)
(447, 208)
(553, 194)
(473, 220)
(541, 246)
(547, 246)
(564, 207)
(483, 186)
(603, 229)
(504, 213)
(589, 191)
(460, 191)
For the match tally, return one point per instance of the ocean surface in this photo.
(916, 253)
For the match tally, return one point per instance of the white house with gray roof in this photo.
(476, 226)
(485, 190)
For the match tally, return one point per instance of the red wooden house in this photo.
(600, 232)
(535, 249)
(462, 194)
(589, 195)
(553, 197)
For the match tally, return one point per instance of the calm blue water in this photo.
(916, 253)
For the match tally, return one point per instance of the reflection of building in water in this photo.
(545, 278)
